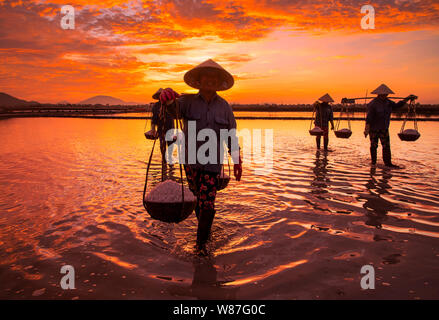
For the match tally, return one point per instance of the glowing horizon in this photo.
(278, 52)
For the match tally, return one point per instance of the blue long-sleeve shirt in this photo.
(379, 112)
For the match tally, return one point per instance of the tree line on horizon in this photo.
(425, 109)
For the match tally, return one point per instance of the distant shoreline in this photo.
(426, 109)
(424, 112)
(84, 116)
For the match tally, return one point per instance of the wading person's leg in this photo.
(385, 142)
(326, 138)
(318, 142)
(207, 193)
(373, 146)
(170, 150)
(163, 149)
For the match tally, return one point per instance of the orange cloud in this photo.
(128, 48)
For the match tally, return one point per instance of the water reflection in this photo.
(75, 197)
(320, 181)
(205, 285)
(376, 206)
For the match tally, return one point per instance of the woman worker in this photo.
(324, 115)
(161, 123)
(379, 111)
(206, 110)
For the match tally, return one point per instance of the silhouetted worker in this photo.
(378, 120)
(324, 115)
(206, 110)
(161, 123)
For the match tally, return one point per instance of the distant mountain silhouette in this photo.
(7, 100)
(104, 100)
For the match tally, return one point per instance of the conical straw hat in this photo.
(192, 76)
(156, 95)
(382, 89)
(326, 98)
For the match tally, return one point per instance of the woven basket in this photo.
(170, 212)
(344, 134)
(316, 132)
(409, 135)
(150, 135)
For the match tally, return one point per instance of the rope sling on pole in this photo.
(224, 179)
(344, 133)
(170, 208)
(410, 134)
(151, 134)
(316, 131)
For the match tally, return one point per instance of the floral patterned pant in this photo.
(204, 185)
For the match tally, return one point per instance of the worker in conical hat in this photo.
(206, 110)
(324, 115)
(161, 123)
(377, 122)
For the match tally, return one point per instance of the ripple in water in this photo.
(72, 194)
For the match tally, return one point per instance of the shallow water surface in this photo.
(72, 194)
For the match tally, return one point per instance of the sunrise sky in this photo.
(279, 51)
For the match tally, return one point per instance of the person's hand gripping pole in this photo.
(167, 96)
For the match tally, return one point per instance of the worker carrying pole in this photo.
(377, 122)
(208, 111)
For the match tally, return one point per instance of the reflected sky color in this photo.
(72, 194)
